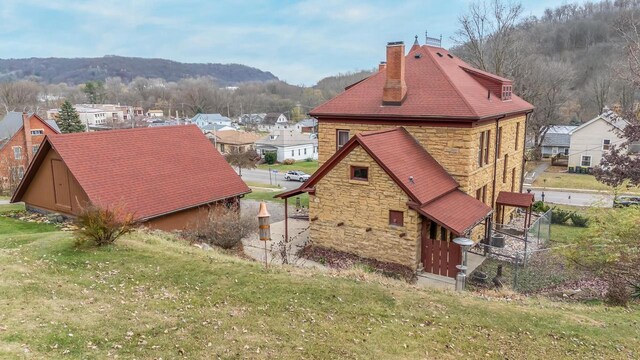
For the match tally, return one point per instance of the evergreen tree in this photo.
(69, 120)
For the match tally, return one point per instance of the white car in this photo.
(296, 176)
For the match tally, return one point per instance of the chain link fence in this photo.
(524, 259)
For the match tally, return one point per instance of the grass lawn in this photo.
(307, 166)
(575, 181)
(152, 296)
(261, 195)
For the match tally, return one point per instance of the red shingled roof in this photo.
(456, 210)
(514, 199)
(151, 171)
(440, 87)
(401, 156)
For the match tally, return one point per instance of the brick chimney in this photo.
(382, 66)
(26, 125)
(395, 88)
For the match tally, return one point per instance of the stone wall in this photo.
(455, 148)
(363, 209)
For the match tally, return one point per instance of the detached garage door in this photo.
(61, 185)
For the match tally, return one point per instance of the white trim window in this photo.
(37, 132)
(606, 144)
(35, 148)
(17, 152)
(586, 160)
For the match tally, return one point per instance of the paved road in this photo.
(575, 199)
(262, 176)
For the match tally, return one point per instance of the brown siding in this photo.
(41, 194)
(181, 220)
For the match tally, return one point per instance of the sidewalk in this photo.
(531, 176)
(568, 190)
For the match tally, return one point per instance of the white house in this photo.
(590, 140)
(203, 120)
(289, 144)
(274, 122)
(89, 116)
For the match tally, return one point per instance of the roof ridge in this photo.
(94, 133)
(376, 132)
(455, 88)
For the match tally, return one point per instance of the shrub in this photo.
(618, 293)
(103, 226)
(270, 157)
(540, 207)
(289, 161)
(308, 159)
(559, 216)
(225, 227)
(579, 220)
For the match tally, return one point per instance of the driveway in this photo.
(531, 176)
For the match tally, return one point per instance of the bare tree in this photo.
(19, 96)
(600, 88)
(487, 34)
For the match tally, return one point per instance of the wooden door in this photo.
(61, 189)
(439, 257)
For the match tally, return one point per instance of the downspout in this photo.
(524, 142)
(495, 163)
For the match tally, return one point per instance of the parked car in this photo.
(626, 200)
(296, 176)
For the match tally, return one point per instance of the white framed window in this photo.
(36, 132)
(506, 92)
(606, 144)
(17, 152)
(586, 160)
(35, 148)
(554, 150)
(342, 137)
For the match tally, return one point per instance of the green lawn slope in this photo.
(152, 296)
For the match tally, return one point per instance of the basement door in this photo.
(61, 189)
(440, 257)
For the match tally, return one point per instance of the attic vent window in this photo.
(506, 92)
(450, 56)
(439, 54)
(417, 55)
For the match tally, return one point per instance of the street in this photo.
(262, 176)
(575, 198)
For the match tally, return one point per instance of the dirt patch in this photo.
(342, 260)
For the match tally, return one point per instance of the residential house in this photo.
(211, 130)
(589, 141)
(252, 118)
(274, 122)
(20, 137)
(203, 120)
(306, 126)
(289, 144)
(234, 141)
(556, 140)
(155, 113)
(414, 156)
(169, 181)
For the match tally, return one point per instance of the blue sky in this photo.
(298, 41)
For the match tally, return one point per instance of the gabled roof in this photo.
(433, 191)
(271, 118)
(284, 138)
(609, 116)
(307, 122)
(12, 122)
(439, 86)
(210, 118)
(150, 171)
(236, 137)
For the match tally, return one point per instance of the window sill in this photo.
(359, 182)
(396, 227)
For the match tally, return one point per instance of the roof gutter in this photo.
(191, 206)
(419, 117)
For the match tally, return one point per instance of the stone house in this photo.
(170, 181)
(413, 156)
(20, 137)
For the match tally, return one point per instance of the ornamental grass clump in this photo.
(103, 226)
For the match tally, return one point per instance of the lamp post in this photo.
(461, 277)
(264, 228)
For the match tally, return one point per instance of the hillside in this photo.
(81, 70)
(153, 296)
